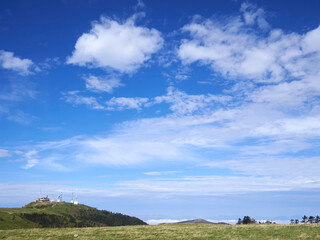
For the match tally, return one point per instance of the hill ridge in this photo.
(199, 221)
(62, 214)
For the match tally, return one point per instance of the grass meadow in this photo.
(171, 231)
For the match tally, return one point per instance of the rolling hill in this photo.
(197, 221)
(202, 221)
(62, 214)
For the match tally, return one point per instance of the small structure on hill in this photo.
(59, 199)
(42, 199)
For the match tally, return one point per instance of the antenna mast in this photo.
(72, 198)
(76, 202)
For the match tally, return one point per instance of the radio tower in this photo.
(72, 198)
(59, 198)
(76, 201)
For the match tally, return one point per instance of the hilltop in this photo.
(61, 214)
(202, 221)
(197, 221)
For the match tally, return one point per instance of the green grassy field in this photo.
(171, 231)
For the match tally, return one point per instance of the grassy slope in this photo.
(172, 231)
(62, 214)
(9, 220)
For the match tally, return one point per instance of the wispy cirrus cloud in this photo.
(161, 173)
(183, 103)
(188, 186)
(32, 160)
(184, 138)
(13, 92)
(4, 153)
(75, 98)
(20, 117)
(102, 84)
(16, 87)
(216, 185)
(179, 101)
(121, 103)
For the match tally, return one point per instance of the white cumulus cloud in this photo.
(236, 48)
(11, 62)
(253, 15)
(120, 46)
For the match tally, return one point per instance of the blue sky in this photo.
(162, 110)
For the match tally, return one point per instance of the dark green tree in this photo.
(304, 219)
(248, 220)
(311, 219)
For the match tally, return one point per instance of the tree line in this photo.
(81, 218)
(305, 219)
(249, 220)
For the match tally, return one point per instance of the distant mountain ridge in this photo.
(62, 214)
(200, 221)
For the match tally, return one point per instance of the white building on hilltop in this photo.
(59, 199)
(42, 199)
